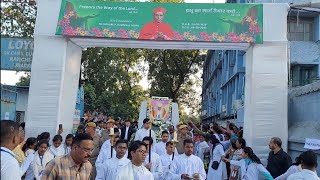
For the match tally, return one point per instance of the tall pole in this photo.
(150, 146)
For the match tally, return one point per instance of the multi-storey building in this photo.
(224, 71)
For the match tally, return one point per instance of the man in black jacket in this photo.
(127, 131)
(278, 160)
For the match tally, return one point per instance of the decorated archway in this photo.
(64, 28)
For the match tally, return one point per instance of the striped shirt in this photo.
(65, 168)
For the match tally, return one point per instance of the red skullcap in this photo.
(160, 9)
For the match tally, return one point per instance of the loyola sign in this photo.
(162, 21)
(16, 54)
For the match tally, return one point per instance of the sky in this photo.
(12, 77)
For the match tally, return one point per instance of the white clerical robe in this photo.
(109, 169)
(132, 172)
(105, 153)
(201, 148)
(186, 165)
(141, 133)
(166, 161)
(160, 149)
(156, 168)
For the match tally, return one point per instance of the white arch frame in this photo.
(56, 68)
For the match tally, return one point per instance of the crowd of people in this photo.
(108, 149)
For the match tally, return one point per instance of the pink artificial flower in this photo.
(232, 35)
(175, 33)
(121, 31)
(68, 31)
(203, 34)
(64, 22)
(61, 23)
(236, 39)
(258, 30)
(99, 34)
(252, 28)
(95, 30)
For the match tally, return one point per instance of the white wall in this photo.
(22, 100)
(266, 85)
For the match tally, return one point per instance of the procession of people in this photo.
(114, 149)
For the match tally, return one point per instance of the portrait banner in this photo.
(234, 23)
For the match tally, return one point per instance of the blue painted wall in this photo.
(317, 28)
(223, 84)
(303, 118)
(8, 102)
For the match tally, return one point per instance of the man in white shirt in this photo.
(187, 165)
(135, 170)
(160, 147)
(105, 151)
(110, 168)
(10, 138)
(145, 131)
(153, 163)
(309, 165)
(167, 158)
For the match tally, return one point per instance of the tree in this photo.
(24, 80)
(18, 19)
(90, 97)
(114, 74)
(170, 73)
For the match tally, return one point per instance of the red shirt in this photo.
(152, 30)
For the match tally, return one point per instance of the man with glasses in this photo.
(110, 167)
(135, 170)
(76, 165)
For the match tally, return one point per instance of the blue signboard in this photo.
(16, 54)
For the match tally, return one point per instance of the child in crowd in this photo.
(29, 146)
(57, 149)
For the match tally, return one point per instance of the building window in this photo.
(303, 74)
(301, 30)
(20, 116)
